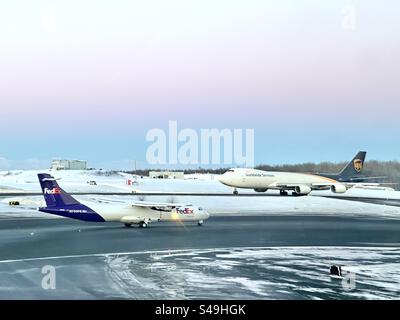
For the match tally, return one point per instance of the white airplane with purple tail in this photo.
(61, 203)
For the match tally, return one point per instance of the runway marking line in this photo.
(187, 251)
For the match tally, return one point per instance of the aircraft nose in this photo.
(223, 178)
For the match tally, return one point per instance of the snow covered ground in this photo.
(71, 181)
(78, 181)
(214, 273)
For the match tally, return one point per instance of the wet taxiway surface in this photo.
(228, 257)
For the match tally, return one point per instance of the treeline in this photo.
(145, 172)
(373, 168)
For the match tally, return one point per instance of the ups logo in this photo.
(358, 165)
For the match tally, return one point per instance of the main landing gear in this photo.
(143, 224)
(285, 193)
(235, 192)
(200, 223)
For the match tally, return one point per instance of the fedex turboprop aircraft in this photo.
(261, 181)
(60, 203)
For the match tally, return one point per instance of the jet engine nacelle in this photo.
(338, 188)
(260, 190)
(302, 189)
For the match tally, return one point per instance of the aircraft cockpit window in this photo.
(231, 170)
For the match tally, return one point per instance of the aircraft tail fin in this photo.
(53, 194)
(61, 203)
(355, 166)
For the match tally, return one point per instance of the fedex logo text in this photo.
(185, 211)
(52, 191)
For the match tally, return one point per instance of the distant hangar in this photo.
(62, 164)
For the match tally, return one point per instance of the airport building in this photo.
(166, 174)
(62, 164)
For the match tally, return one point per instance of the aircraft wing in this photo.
(158, 204)
(361, 184)
(366, 178)
(371, 184)
(314, 186)
(306, 188)
(327, 184)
